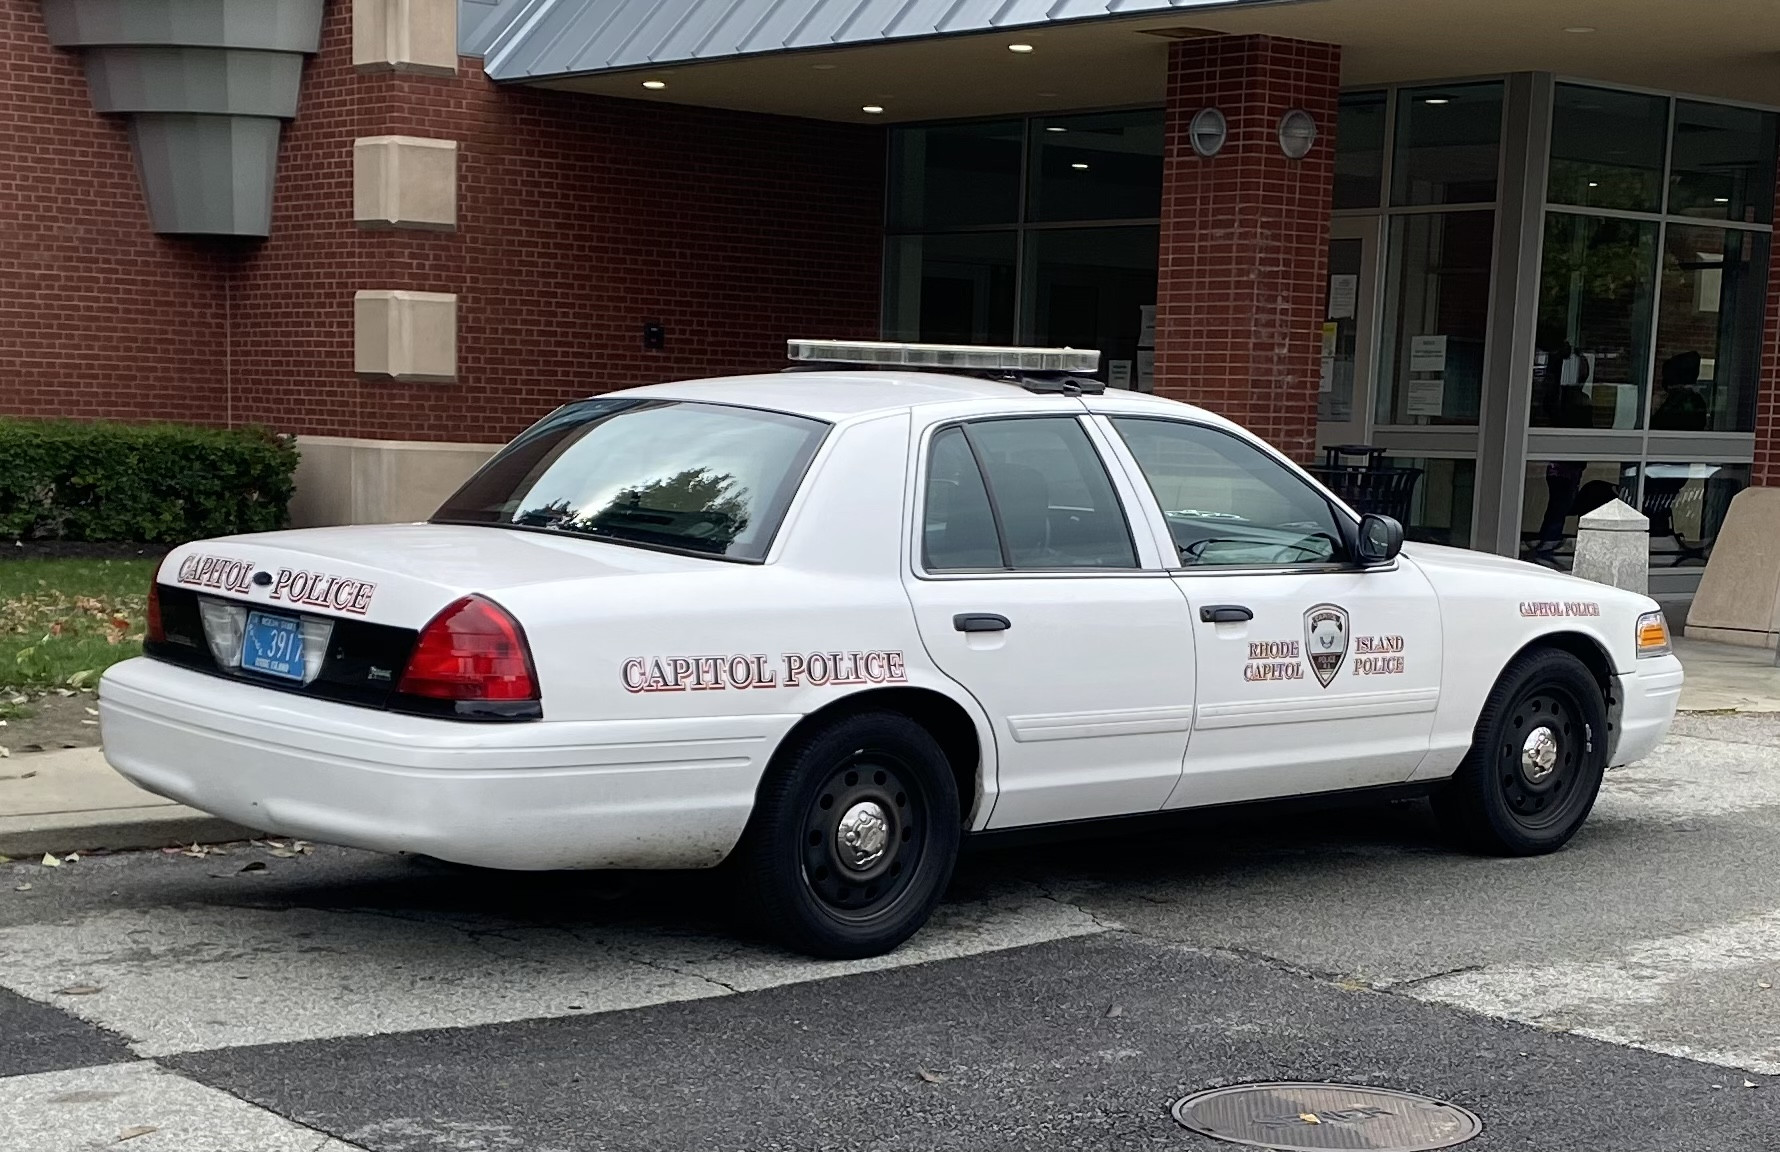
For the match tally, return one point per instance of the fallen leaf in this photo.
(1749, 1084)
(283, 853)
(5, 752)
(1309, 1117)
(5, 859)
(25, 887)
(92, 711)
(256, 866)
(1763, 984)
(932, 1077)
(79, 990)
(50, 861)
(138, 1130)
(93, 723)
(1115, 1010)
(1716, 1087)
(73, 858)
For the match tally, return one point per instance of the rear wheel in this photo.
(853, 838)
(1536, 761)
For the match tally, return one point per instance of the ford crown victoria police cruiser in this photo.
(822, 623)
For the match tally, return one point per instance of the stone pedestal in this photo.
(1739, 597)
(1613, 547)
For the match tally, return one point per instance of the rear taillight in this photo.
(155, 632)
(472, 651)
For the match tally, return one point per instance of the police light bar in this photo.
(971, 357)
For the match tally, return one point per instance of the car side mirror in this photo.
(1380, 539)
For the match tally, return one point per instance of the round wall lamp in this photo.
(1297, 132)
(1207, 131)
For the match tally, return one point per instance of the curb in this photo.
(162, 826)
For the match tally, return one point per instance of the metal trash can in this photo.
(1369, 487)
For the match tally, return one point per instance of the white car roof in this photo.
(839, 395)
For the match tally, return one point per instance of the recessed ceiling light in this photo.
(1721, 199)
(1079, 167)
(1436, 100)
(1047, 94)
(873, 109)
(1055, 128)
(1021, 48)
(823, 67)
(1579, 29)
(655, 85)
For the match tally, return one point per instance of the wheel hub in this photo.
(862, 835)
(1539, 754)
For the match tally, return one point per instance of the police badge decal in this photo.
(1325, 640)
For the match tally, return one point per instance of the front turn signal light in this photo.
(1653, 635)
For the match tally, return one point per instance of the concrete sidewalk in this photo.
(72, 801)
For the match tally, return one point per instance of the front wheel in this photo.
(1536, 762)
(853, 838)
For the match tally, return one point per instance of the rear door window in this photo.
(708, 479)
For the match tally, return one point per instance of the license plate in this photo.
(273, 645)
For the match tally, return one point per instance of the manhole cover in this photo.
(1313, 1117)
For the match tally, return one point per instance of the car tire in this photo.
(1536, 762)
(853, 839)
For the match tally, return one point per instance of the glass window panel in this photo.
(1708, 343)
(1335, 388)
(957, 528)
(1440, 508)
(952, 175)
(1686, 504)
(1359, 150)
(1448, 144)
(1607, 148)
(1437, 310)
(1560, 492)
(951, 289)
(1724, 163)
(1226, 501)
(1596, 284)
(1102, 167)
(1087, 288)
(1053, 499)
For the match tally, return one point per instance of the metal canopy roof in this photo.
(536, 39)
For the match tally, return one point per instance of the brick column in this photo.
(1244, 253)
(1766, 473)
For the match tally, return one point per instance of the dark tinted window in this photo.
(702, 478)
(1226, 501)
(1724, 163)
(953, 175)
(1044, 489)
(1607, 148)
(1448, 140)
(1359, 150)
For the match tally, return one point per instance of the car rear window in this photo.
(709, 479)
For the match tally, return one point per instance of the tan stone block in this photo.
(405, 35)
(348, 480)
(1739, 596)
(404, 182)
(405, 335)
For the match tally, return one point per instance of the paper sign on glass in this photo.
(1118, 374)
(1344, 295)
(1146, 329)
(1426, 397)
(1427, 354)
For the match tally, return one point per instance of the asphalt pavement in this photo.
(1619, 995)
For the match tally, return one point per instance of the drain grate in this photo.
(1289, 1117)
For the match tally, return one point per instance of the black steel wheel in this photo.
(853, 838)
(1536, 761)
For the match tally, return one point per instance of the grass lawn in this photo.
(62, 622)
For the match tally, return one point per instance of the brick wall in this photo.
(1240, 288)
(1766, 473)
(580, 219)
(98, 316)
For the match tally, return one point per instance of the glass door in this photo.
(1344, 386)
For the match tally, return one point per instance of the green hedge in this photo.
(141, 483)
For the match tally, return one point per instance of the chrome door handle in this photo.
(1225, 614)
(981, 622)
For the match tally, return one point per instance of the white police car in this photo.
(822, 623)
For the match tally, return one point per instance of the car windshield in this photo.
(702, 478)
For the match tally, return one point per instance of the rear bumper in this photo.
(581, 794)
(1648, 699)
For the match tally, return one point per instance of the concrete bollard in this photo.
(1613, 547)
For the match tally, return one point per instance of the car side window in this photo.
(1022, 494)
(1228, 503)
